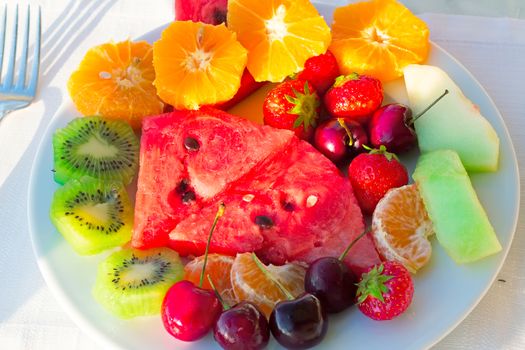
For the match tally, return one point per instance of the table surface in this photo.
(491, 46)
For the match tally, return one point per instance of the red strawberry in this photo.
(385, 291)
(354, 97)
(321, 71)
(373, 174)
(292, 105)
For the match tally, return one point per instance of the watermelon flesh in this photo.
(166, 166)
(284, 200)
(206, 11)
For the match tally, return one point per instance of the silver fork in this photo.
(19, 93)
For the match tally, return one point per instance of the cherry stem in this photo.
(267, 273)
(343, 255)
(431, 105)
(225, 305)
(220, 212)
(341, 122)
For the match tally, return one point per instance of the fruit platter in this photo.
(299, 176)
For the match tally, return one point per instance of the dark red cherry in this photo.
(330, 280)
(242, 327)
(189, 312)
(299, 323)
(391, 126)
(339, 140)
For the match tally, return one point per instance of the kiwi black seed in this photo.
(133, 282)
(92, 215)
(101, 148)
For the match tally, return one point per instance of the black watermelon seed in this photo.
(188, 197)
(263, 221)
(182, 187)
(191, 144)
(288, 206)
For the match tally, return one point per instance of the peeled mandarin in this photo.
(401, 228)
(218, 268)
(251, 284)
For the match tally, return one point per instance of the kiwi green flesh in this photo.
(97, 147)
(92, 215)
(133, 283)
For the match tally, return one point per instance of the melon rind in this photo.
(452, 123)
(460, 222)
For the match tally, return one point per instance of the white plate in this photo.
(445, 293)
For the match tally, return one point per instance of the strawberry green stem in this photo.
(220, 212)
(431, 105)
(382, 150)
(267, 273)
(372, 284)
(343, 255)
(341, 122)
(225, 306)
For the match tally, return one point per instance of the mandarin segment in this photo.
(378, 38)
(279, 35)
(401, 228)
(115, 80)
(197, 64)
(218, 267)
(251, 284)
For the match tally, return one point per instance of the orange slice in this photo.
(115, 80)
(251, 284)
(197, 64)
(280, 35)
(218, 267)
(378, 38)
(401, 227)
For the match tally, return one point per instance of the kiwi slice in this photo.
(92, 215)
(133, 282)
(101, 148)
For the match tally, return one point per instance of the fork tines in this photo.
(15, 83)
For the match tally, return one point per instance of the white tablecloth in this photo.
(493, 49)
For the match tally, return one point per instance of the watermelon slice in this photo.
(283, 199)
(165, 193)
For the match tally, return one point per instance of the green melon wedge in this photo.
(460, 222)
(452, 123)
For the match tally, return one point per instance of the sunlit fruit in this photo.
(114, 80)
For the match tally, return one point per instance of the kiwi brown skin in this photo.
(132, 282)
(92, 215)
(101, 148)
